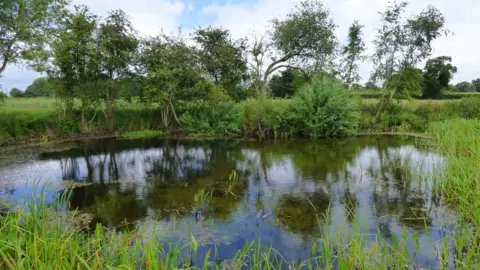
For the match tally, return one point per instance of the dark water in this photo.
(385, 181)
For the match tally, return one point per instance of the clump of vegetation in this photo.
(266, 117)
(213, 119)
(144, 134)
(324, 108)
(470, 108)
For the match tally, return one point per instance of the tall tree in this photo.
(352, 54)
(222, 59)
(402, 43)
(305, 38)
(476, 83)
(25, 26)
(76, 60)
(171, 67)
(436, 76)
(118, 44)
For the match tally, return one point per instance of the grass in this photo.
(41, 236)
(459, 140)
(144, 134)
(33, 105)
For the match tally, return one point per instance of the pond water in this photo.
(281, 186)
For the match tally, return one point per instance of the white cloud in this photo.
(150, 16)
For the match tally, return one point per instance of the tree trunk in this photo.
(109, 104)
(4, 65)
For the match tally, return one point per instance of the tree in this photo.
(76, 60)
(222, 58)
(171, 67)
(402, 43)
(39, 88)
(437, 74)
(25, 26)
(352, 53)
(476, 83)
(287, 83)
(16, 93)
(408, 82)
(282, 85)
(305, 38)
(117, 44)
(465, 87)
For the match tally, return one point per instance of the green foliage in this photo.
(25, 27)
(325, 108)
(407, 84)
(3, 96)
(39, 88)
(15, 125)
(476, 83)
(144, 134)
(470, 108)
(16, 93)
(221, 58)
(213, 119)
(437, 74)
(265, 117)
(465, 87)
(402, 43)
(76, 61)
(352, 53)
(305, 38)
(287, 83)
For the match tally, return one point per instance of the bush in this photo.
(216, 119)
(265, 117)
(470, 107)
(325, 108)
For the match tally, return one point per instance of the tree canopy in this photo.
(16, 93)
(39, 88)
(437, 75)
(25, 27)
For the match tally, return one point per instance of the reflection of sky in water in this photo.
(382, 175)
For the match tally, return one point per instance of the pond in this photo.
(280, 189)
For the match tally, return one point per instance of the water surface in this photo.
(282, 187)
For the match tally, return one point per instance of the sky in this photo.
(243, 17)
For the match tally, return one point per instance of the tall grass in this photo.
(459, 140)
(42, 235)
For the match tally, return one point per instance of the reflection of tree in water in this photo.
(177, 172)
(111, 204)
(396, 195)
(299, 213)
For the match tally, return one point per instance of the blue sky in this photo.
(244, 17)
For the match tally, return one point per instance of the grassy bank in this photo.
(36, 119)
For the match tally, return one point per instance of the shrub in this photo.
(216, 119)
(265, 117)
(470, 107)
(325, 108)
